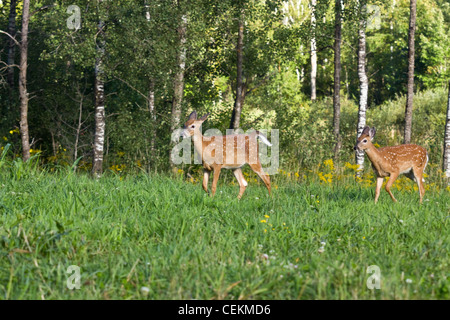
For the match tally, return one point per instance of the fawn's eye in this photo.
(192, 126)
(365, 140)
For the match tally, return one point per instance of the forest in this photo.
(120, 76)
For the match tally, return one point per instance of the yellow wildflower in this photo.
(329, 163)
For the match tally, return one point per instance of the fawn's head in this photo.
(365, 139)
(193, 125)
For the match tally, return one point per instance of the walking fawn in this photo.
(407, 159)
(226, 152)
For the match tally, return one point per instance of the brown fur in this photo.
(408, 159)
(245, 150)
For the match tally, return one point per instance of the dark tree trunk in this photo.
(78, 130)
(240, 89)
(12, 45)
(446, 161)
(410, 94)
(363, 82)
(23, 82)
(337, 79)
(100, 120)
(178, 85)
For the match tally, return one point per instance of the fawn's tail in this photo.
(263, 138)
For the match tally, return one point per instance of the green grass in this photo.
(169, 236)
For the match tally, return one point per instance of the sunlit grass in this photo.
(311, 240)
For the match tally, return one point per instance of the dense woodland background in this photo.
(150, 63)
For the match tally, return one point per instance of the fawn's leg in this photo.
(259, 171)
(206, 174)
(419, 179)
(242, 183)
(392, 178)
(378, 188)
(215, 179)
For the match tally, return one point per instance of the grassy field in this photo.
(155, 237)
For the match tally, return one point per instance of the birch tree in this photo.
(100, 120)
(151, 98)
(313, 51)
(23, 93)
(446, 160)
(363, 80)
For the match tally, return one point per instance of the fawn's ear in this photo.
(372, 132)
(193, 115)
(365, 131)
(204, 117)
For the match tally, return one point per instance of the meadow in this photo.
(162, 237)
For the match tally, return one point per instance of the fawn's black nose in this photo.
(354, 148)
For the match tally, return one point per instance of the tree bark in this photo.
(152, 111)
(12, 45)
(100, 123)
(78, 132)
(363, 83)
(151, 101)
(178, 85)
(410, 94)
(240, 92)
(337, 79)
(446, 160)
(23, 82)
(313, 51)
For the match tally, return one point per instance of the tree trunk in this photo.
(78, 130)
(178, 85)
(446, 162)
(337, 79)
(152, 111)
(313, 51)
(23, 82)
(100, 123)
(151, 102)
(12, 45)
(410, 94)
(240, 92)
(363, 83)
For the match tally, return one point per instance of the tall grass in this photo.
(307, 241)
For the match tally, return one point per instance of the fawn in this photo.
(407, 159)
(226, 152)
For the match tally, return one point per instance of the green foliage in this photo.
(141, 52)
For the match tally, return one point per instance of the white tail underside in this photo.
(264, 140)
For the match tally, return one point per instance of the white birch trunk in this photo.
(446, 162)
(100, 123)
(313, 51)
(363, 85)
(151, 101)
